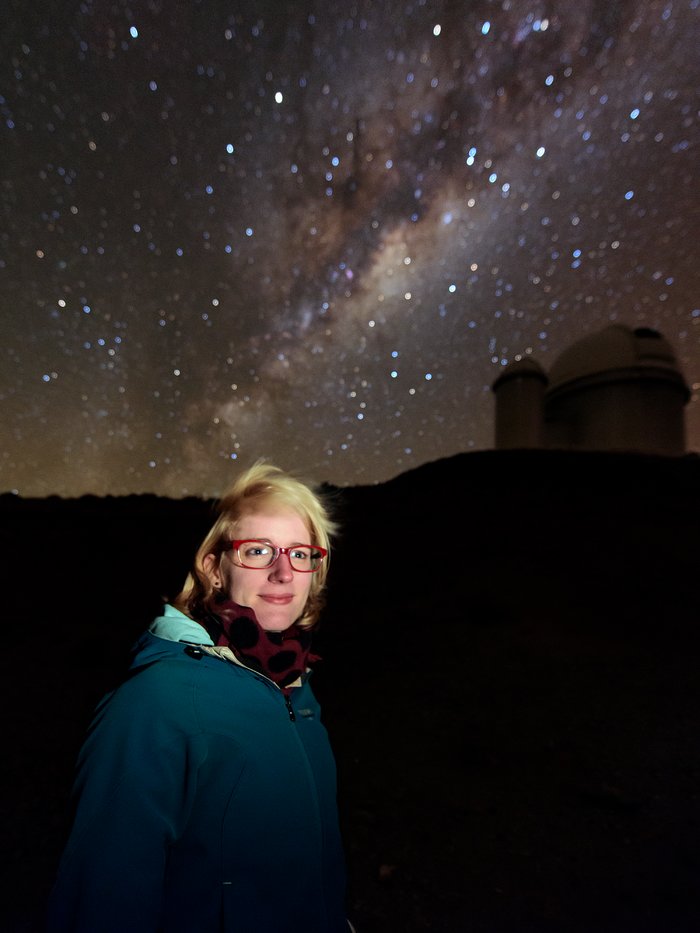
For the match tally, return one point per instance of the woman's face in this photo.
(276, 594)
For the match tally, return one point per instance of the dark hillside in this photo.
(509, 678)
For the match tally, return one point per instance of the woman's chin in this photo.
(274, 622)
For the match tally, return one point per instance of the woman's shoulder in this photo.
(160, 666)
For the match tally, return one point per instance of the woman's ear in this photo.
(210, 566)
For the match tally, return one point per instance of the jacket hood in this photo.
(165, 635)
(174, 625)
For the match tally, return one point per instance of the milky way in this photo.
(317, 231)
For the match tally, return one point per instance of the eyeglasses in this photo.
(258, 555)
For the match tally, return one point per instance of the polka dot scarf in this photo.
(281, 656)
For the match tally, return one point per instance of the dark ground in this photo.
(514, 715)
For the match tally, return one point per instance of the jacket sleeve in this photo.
(136, 779)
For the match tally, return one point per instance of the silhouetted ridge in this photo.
(509, 678)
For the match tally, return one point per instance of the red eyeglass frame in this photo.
(235, 545)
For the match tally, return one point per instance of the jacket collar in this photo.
(174, 625)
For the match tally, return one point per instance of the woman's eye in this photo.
(300, 555)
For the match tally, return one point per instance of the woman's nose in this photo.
(281, 570)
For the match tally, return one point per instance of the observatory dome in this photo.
(616, 349)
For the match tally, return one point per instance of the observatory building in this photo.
(620, 389)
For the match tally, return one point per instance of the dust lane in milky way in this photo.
(316, 232)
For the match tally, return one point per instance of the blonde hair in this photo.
(261, 487)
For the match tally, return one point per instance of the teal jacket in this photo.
(205, 802)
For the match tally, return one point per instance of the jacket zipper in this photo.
(287, 700)
(290, 708)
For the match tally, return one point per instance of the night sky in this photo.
(316, 231)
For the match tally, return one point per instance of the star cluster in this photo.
(317, 231)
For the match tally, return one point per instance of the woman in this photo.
(206, 786)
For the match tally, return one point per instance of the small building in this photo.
(620, 389)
